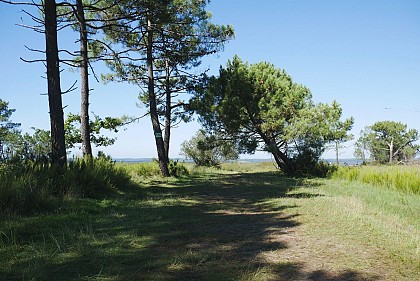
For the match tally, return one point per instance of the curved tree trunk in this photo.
(160, 146)
(84, 75)
(283, 162)
(58, 149)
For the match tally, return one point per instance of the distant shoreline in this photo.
(350, 162)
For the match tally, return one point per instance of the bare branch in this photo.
(71, 89)
(32, 61)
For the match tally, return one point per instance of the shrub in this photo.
(177, 169)
(207, 150)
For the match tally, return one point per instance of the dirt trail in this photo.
(275, 241)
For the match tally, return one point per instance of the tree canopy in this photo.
(8, 129)
(387, 141)
(260, 107)
(162, 41)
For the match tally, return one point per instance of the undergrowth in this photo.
(29, 187)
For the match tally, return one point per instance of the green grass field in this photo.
(243, 222)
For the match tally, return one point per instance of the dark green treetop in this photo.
(261, 107)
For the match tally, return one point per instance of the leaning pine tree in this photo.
(260, 107)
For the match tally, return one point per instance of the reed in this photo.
(403, 178)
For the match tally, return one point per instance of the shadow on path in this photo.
(197, 229)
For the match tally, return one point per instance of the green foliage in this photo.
(169, 39)
(403, 178)
(30, 186)
(21, 191)
(387, 141)
(208, 150)
(260, 107)
(177, 169)
(339, 131)
(73, 135)
(35, 147)
(8, 130)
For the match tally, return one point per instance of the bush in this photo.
(177, 170)
(207, 150)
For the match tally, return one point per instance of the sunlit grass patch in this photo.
(403, 178)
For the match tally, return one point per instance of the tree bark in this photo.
(167, 136)
(391, 152)
(84, 76)
(283, 162)
(58, 149)
(336, 152)
(160, 146)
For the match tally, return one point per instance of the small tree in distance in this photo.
(207, 150)
(388, 141)
(339, 130)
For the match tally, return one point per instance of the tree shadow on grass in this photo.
(198, 229)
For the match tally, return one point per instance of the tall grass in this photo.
(28, 187)
(403, 178)
(151, 169)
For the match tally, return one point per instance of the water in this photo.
(345, 162)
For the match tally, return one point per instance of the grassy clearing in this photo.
(404, 178)
(220, 225)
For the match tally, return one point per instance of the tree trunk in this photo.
(336, 151)
(84, 76)
(391, 152)
(167, 110)
(284, 163)
(163, 161)
(58, 149)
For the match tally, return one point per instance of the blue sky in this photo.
(364, 54)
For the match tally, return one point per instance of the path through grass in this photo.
(219, 226)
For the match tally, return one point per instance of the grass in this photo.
(406, 179)
(33, 187)
(220, 225)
